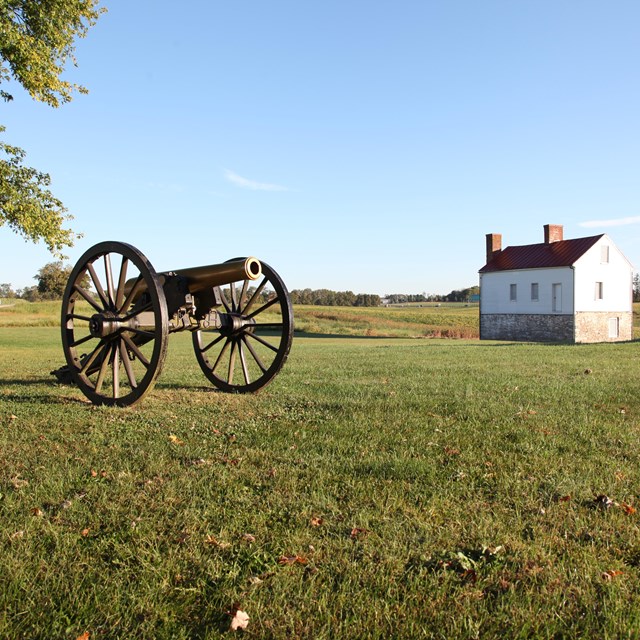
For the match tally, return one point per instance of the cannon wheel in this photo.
(114, 325)
(246, 358)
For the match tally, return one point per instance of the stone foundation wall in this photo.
(594, 326)
(587, 327)
(523, 327)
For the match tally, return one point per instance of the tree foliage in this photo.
(52, 280)
(37, 41)
(328, 298)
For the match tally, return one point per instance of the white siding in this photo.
(495, 288)
(616, 277)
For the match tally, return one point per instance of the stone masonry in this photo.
(521, 327)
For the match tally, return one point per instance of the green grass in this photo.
(436, 489)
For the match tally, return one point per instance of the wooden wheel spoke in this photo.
(98, 285)
(232, 362)
(256, 295)
(121, 283)
(142, 332)
(116, 373)
(211, 344)
(103, 369)
(220, 355)
(88, 362)
(264, 307)
(138, 284)
(137, 311)
(124, 356)
(225, 302)
(88, 297)
(243, 363)
(75, 316)
(80, 341)
(134, 348)
(110, 290)
(253, 352)
(243, 293)
(234, 300)
(262, 341)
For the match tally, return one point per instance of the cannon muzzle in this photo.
(216, 275)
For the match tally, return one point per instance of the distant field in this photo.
(450, 320)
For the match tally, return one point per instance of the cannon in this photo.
(117, 313)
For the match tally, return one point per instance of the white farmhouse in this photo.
(557, 291)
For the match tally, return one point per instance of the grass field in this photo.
(379, 488)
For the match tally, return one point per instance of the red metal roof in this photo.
(563, 253)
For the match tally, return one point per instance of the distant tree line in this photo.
(328, 298)
(636, 287)
(457, 295)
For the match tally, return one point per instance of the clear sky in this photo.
(351, 144)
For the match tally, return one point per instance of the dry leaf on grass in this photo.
(239, 619)
(359, 532)
(175, 440)
(607, 576)
(292, 560)
(317, 522)
(83, 636)
(212, 541)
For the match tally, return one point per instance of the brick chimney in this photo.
(494, 245)
(552, 233)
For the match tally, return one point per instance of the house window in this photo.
(534, 290)
(604, 254)
(513, 292)
(599, 290)
(614, 327)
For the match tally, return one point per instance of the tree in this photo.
(52, 280)
(636, 287)
(36, 42)
(6, 291)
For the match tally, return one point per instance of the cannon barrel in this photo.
(206, 277)
(215, 275)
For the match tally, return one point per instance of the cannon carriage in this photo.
(117, 314)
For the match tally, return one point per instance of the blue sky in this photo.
(353, 145)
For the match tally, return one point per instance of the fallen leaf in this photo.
(175, 440)
(610, 575)
(240, 620)
(13, 417)
(317, 522)
(627, 508)
(357, 532)
(83, 636)
(18, 482)
(587, 372)
(212, 541)
(247, 537)
(450, 451)
(36, 511)
(85, 532)
(292, 560)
